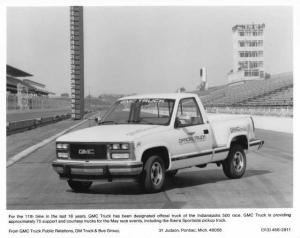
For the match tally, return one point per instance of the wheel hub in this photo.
(238, 161)
(156, 173)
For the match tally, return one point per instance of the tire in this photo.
(234, 166)
(154, 174)
(80, 186)
(172, 173)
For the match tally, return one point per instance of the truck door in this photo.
(192, 136)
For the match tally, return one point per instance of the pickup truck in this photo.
(147, 138)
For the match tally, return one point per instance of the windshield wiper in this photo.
(106, 122)
(147, 122)
(140, 122)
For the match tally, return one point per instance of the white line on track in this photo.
(33, 148)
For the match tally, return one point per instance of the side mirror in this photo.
(182, 121)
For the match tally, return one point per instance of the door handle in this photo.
(205, 131)
(191, 133)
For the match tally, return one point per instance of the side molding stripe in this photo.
(199, 154)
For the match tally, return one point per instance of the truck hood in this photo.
(109, 133)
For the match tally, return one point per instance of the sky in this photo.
(142, 49)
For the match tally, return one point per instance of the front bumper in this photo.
(256, 144)
(97, 170)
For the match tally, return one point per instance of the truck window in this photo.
(141, 111)
(188, 112)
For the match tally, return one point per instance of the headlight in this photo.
(116, 146)
(120, 146)
(124, 146)
(62, 146)
(63, 155)
(120, 155)
(120, 151)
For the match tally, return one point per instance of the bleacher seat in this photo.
(276, 91)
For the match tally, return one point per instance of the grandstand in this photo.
(279, 97)
(23, 94)
(268, 94)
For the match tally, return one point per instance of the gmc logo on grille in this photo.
(86, 151)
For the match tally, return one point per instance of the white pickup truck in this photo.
(149, 137)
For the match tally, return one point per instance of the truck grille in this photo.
(88, 151)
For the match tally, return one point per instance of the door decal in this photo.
(192, 139)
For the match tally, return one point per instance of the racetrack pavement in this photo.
(267, 183)
(18, 142)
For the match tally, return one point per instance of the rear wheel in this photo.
(154, 174)
(235, 164)
(79, 186)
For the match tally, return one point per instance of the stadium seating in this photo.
(281, 97)
(275, 91)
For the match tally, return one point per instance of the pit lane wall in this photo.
(279, 111)
(23, 125)
(272, 123)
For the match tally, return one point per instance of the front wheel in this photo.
(154, 174)
(235, 164)
(79, 186)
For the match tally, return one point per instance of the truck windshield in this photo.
(154, 111)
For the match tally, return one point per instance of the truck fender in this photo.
(241, 138)
(154, 146)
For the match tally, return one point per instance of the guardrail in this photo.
(24, 125)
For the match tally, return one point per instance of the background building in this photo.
(248, 52)
(25, 94)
